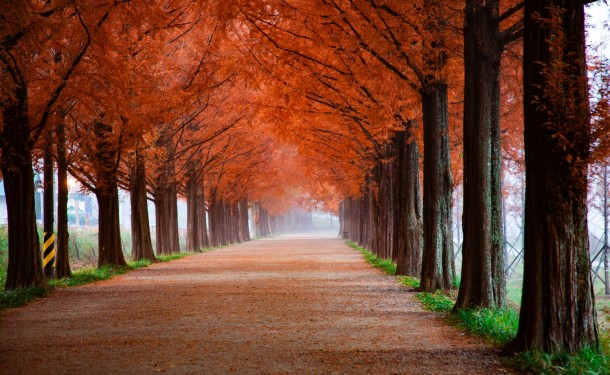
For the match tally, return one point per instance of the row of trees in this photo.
(385, 72)
(241, 104)
(135, 96)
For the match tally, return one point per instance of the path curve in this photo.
(288, 305)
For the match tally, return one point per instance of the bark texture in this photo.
(25, 263)
(482, 282)
(110, 249)
(166, 209)
(192, 214)
(244, 229)
(408, 205)
(141, 242)
(204, 238)
(438, 269)
(62, 265)
(109, 239)
(557, 308)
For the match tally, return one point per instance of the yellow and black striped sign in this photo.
(49, 249)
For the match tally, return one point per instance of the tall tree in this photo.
(62, 268)
(56, 36)
(483, 283)
(438, 268)
(140, 224)
(557, 307)
(408, 208)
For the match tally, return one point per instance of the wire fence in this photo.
(599, 206)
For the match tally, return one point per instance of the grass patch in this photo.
(140, 263)
(436, 301)
(21, 296)
(168, 257)
(89, 275)
(408, 281)
(3, 255)
(386, 265)
(496, 325)
(585, 361)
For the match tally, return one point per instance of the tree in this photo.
(62, 265)
(25, 24)
(408, 208)
(482, 282)
(557, 308)
(140, 228)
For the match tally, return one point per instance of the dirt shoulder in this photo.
(275, 306)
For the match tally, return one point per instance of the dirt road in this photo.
(289, 305)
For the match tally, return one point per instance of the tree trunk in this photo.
(48, 221)
(237, 230)
(204, 239)
(109, 238)
(162, 215)
(62, 267)
(229, 227)
(438, 269)
(229, 222)
(482, 282)
(557, 308)
(266, 223)
(24, 260)
(387, 204)
(606, 248)
(110, 249)
(355, 229)
(341, 218)
(192, 207)
(215, 222)
(408, 206)
(166, 211)
(376, 241)
(141, 243)
(166, 217)
(243, 219)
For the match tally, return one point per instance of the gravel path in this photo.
(288, 305)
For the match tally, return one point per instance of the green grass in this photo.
(585, 361)
(498, 326)
(514, 286)
(19, 297)
(140, 263)
(435, 301)
(386, 265)
(3, 255)
(408, 281)
(90, 275)
(167, 258)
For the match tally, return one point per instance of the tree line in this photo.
(375, 110)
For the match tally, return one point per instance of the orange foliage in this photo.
(275, 101)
